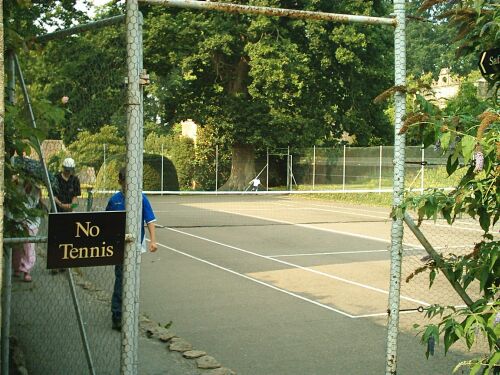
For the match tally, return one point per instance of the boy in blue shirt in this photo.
(117, 203)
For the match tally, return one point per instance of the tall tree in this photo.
(269, 82)
(429, 45)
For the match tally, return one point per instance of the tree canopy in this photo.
(270, 81)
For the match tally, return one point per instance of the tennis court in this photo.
(282, 285)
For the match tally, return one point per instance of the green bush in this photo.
(107, 178)
(179, 150)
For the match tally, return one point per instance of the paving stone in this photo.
(166, 336)
(190, 354)
(207, 362)
(220, 371)
(179, 345)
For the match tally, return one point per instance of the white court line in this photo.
(337, 209)
(333, 253)
(330, 276)
(382, 314)
(309, 226)
(259, 282)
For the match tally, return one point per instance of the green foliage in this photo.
(107, 178)
(89, 69)
(269, 82)
(21, 139)
(179, 150)
(205, 158)
(472, 144)
(89, 149)
(429, 44)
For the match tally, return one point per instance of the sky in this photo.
(79, 4)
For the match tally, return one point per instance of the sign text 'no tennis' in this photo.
(85, 239)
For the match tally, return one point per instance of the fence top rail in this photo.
(59, 34)
(274, 12)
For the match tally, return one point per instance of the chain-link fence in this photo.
(61, 318)
(309, 169)
(431, 287)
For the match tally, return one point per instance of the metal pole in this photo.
(422, 171)
(138, 253)
(343, 170)
(133, 202)
(76, 305)
(7, 255)
(162, 166)
(288, 168)
(380, 170)
(216, 167)
(33, 123)
(6, 304)
(267, 169)
(104, 164)
(291, 172)
(273, 12)
(437, 259)
(11, 76)
(398, 189)
(60, 34)
(2, 159)
(314, 165)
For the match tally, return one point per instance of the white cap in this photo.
(68, 163)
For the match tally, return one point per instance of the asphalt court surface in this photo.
(316, 257)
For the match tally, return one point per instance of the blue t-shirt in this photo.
(117, 203)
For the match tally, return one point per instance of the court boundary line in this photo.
(459, 225)
(332, 253)
(260, 282)
(307, 269)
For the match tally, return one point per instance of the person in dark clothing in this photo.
(68, 187)
(117, 203)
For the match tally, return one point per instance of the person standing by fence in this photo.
(117, 203)
(68, 187)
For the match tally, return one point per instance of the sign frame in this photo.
(85, 239)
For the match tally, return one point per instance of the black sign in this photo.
(489, 61)
(85, 239)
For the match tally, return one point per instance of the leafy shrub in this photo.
(107, 178)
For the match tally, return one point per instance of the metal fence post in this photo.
(104, 163)
(314, 165)
(6, 304)
(398, 189)
(343, 170)
(133, 203)
(216, 167)
(267, 169)
(380, 170)
(161, 182)
(288, 167)
(422, 171)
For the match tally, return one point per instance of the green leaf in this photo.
(451, 164)
(475, 368)
(484, 218)
(432, 276)
(449, 338)
(445, 140)
(468, 145)
(484, 277)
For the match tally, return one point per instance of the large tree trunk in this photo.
(242, 168)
